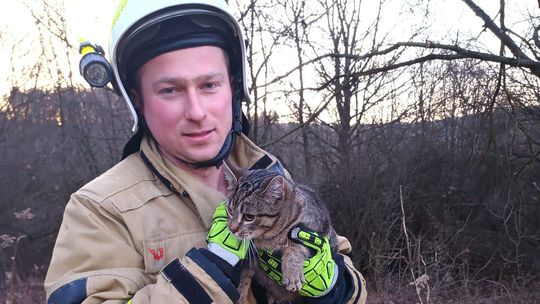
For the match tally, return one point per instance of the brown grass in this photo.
(31, 291)
(19, 292)
(485, 293)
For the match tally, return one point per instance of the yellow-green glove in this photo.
(320, 270)
(222, 242)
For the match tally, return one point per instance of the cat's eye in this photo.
(249, 217)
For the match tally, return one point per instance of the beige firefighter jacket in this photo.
(122, 228)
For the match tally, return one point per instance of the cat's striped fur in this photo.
(264, 206)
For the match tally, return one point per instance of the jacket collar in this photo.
(200, 197)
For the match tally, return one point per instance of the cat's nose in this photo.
(233, 227)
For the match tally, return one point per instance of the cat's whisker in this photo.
(253, 247)
(254, 256)
(246, 242)
(255, 252)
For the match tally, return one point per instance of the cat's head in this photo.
(257, 199)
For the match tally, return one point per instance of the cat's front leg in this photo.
(292, 266)
(245, 284)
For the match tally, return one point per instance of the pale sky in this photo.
(91, 20)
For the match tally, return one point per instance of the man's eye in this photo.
(210, 85)
(167, 91)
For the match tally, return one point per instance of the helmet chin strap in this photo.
(235, 130)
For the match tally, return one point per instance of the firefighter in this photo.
(139, 233)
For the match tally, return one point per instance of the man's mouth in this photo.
(198, 133)
(198, 136)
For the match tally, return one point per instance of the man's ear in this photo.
(136, 99)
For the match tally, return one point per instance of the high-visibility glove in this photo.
(221, 260)
(222, 242)
(320, 270)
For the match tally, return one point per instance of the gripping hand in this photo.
(222, 242)
(320, 270)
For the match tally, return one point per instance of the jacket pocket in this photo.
(159, 251)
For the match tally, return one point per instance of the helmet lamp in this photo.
(94, 68)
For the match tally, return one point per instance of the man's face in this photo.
(186, 102)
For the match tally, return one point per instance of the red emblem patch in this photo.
(158, 255)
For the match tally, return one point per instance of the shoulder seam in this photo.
(84, 193)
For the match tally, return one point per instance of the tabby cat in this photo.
(263, 207)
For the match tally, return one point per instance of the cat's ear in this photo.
(232, 175)
(275, 188)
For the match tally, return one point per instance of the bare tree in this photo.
(263, 38)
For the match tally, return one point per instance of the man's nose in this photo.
(194, 109)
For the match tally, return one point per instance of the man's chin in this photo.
(200, 158)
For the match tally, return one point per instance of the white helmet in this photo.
(144, 29)
(140, 26)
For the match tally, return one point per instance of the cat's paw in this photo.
(271, 300)
(293, 281)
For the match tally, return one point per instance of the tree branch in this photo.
(514, 62)
(300, 126)
(460, 53)
(535, 36)
(508, 42)
(535, 66)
